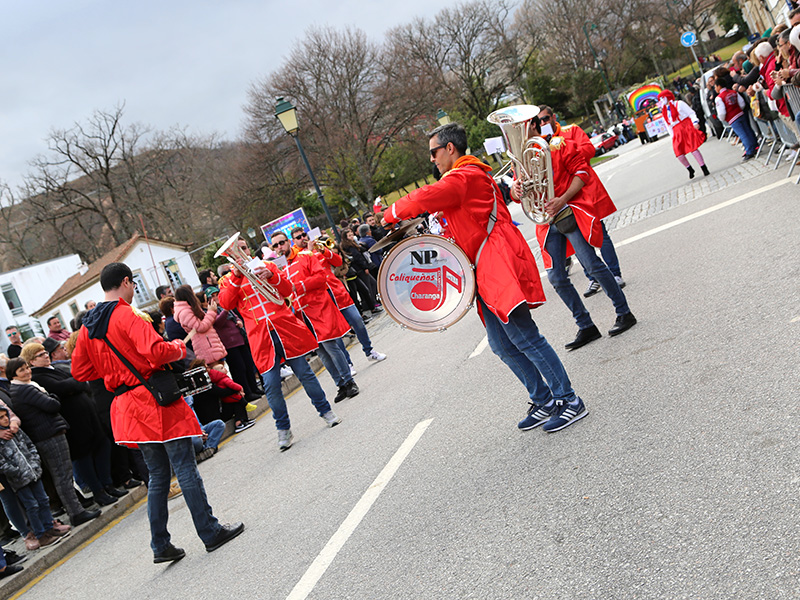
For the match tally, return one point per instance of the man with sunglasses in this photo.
(604, 205)
(311, 299)
(507, 278)
(275, 334)
(15, 342)
(330, 260)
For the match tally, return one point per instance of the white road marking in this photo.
(348, 526)
(480, 347)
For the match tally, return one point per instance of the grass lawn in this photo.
(724, 53)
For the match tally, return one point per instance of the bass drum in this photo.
(426, 283)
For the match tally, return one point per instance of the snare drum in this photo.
(426, 283)
(194, 381)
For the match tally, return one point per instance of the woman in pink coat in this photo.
(190, 315)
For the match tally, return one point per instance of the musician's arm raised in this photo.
(442, 195)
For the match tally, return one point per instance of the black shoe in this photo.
(171, 554)
(10, 570)
(225, 535)
(705, 170)
(341, 394)
(622, 324)
(584, 336)
(252, 397)
(85, 516)
(351, 389)
(691, 172)
(132, 483)
(59, 512)
(115, 492)
(12, 558)
(104, 499)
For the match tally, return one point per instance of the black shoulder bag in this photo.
(162, 383)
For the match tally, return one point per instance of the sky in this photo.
(171, 62)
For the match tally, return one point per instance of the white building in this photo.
(25, 289)
(154, 263)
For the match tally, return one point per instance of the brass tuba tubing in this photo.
(236, 256)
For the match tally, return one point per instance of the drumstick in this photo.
(189, 336)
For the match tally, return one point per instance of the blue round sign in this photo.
(688, 39)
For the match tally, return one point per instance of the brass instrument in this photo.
(530, 156)
(320, 245)
(237, 257)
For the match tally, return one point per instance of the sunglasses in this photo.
(545, 119)
(300, 236)
(436, 149)
(280, 243)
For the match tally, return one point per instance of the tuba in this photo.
(239, 259)
(530, 157)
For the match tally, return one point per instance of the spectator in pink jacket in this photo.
(190, 315)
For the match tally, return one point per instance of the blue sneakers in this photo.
(537, 415)
(565, 414)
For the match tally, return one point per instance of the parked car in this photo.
(604, 142)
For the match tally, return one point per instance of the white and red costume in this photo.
(680, 120)
(262, 316)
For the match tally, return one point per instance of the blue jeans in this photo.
(744, 132)
(272, 385)
(335, 361)
(214, 429)
(556, 246)
(355, 321)
(609, 254)
(13, 510)
(179, 454)
(527, 353)
(37, 505)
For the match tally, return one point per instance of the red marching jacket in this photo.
(329, 260)
(260, 316)
(136, 417)
(506, 273)
(312, 298)
(603, 203)
(569, 162)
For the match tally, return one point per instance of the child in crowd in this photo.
(22, 468)
(228, 392)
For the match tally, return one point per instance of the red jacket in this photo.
(506, 274)
(260, 316)
(604, 205)
(569, 162)
(312, 298)
(221, 380)
(329, 261)
(136, 417)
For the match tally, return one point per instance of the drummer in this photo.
(508, 280)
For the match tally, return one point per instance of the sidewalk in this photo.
(41, 561)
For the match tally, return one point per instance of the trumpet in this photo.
(322, 245)
(530, 156)
(237, 257)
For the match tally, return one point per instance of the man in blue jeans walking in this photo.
(506, 274)
(162, 433)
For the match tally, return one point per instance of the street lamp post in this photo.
(602, 72)
(442, 117)
(287, 115)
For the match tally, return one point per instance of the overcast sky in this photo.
(172, 62)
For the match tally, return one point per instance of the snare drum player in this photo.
(275, 334)
(507, 277)
(163, 433)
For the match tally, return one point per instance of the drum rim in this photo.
(456, 249)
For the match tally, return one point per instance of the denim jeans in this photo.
(527, 353)
(609, 254)
(37, 506)
(355, 321)
(335, 361)
(13, 509)
(214, 429)
(742, 129)
(556, 246)
(272, 385)
(180, 455)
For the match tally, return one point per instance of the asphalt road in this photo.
(681, 483)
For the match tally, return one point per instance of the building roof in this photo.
(79, 281)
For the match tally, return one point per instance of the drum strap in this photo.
(492, 221)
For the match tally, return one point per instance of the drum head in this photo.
(426, 283)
